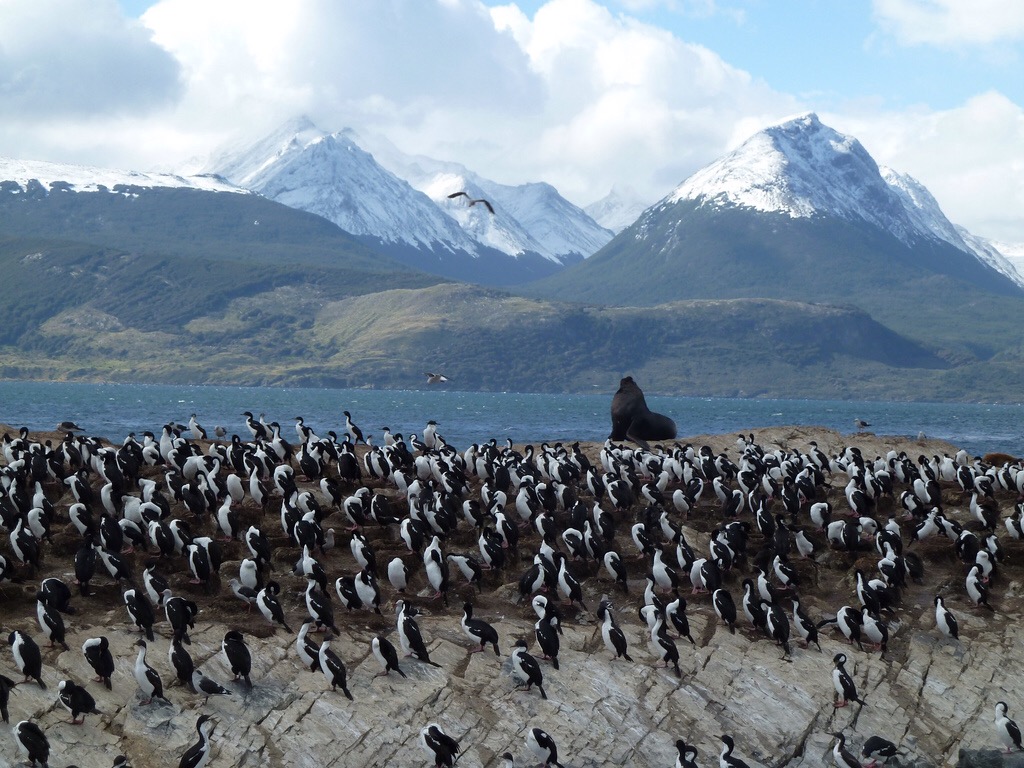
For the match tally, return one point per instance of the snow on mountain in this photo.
(803, 168)
(1012, 252)
(618, 209)
(247, 166)
(83, 178)
(331, 176)
(993, 255)
(532, 217)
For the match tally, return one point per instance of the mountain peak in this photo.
(800, 167)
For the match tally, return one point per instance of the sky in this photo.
(583, 94)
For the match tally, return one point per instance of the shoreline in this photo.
(730, 683)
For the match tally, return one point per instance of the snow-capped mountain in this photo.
(84, 178)
(534, 217)
(800, 212)
(331, 176)
(923, 210)
(618, 209)
(1012, 252)
(404, 204)
(803, 168)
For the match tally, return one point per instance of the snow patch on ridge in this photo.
(84, 178)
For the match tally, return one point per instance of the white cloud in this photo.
(79, 57)
(578, 95)
(951, 22)
(971, 158)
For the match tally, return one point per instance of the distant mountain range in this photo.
(401, 205)
(791, 267)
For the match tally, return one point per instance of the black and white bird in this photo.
(386, 655)
(409, 635)
(50, 621)
(97, 652)
(526, 668)
(32, 742)
(543, 746)
(877, 747)
(547, 638)
(198, 755)
(207, 686)
(442, 748)
(398, 574)
(725, 607)
(238, 656)
(841, 756)
(6, 686)
(1006, 729)
(945, 620)
(846, 690)
(333, 668)
(307, 649)
(27, 657)
(141, 611)
(727, 759)
(149, 681)
(181, 662)
(611, 633)
(478, 630)
(687, 757)
(77, 700)
(354, 432)
(181, 615)
(266, 601)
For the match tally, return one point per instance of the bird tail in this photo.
(348, 695)
(626, 657)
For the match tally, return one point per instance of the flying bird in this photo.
(472, 201)
(436, 378)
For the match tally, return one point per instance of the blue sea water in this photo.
(114, 410)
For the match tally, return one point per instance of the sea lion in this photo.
(633, 420)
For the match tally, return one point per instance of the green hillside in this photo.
(933, 293)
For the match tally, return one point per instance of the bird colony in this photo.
(317, 600)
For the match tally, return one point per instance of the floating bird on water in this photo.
(69, 426)
(472, 201)
(860, 424)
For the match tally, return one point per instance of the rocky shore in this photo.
(931, 695)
